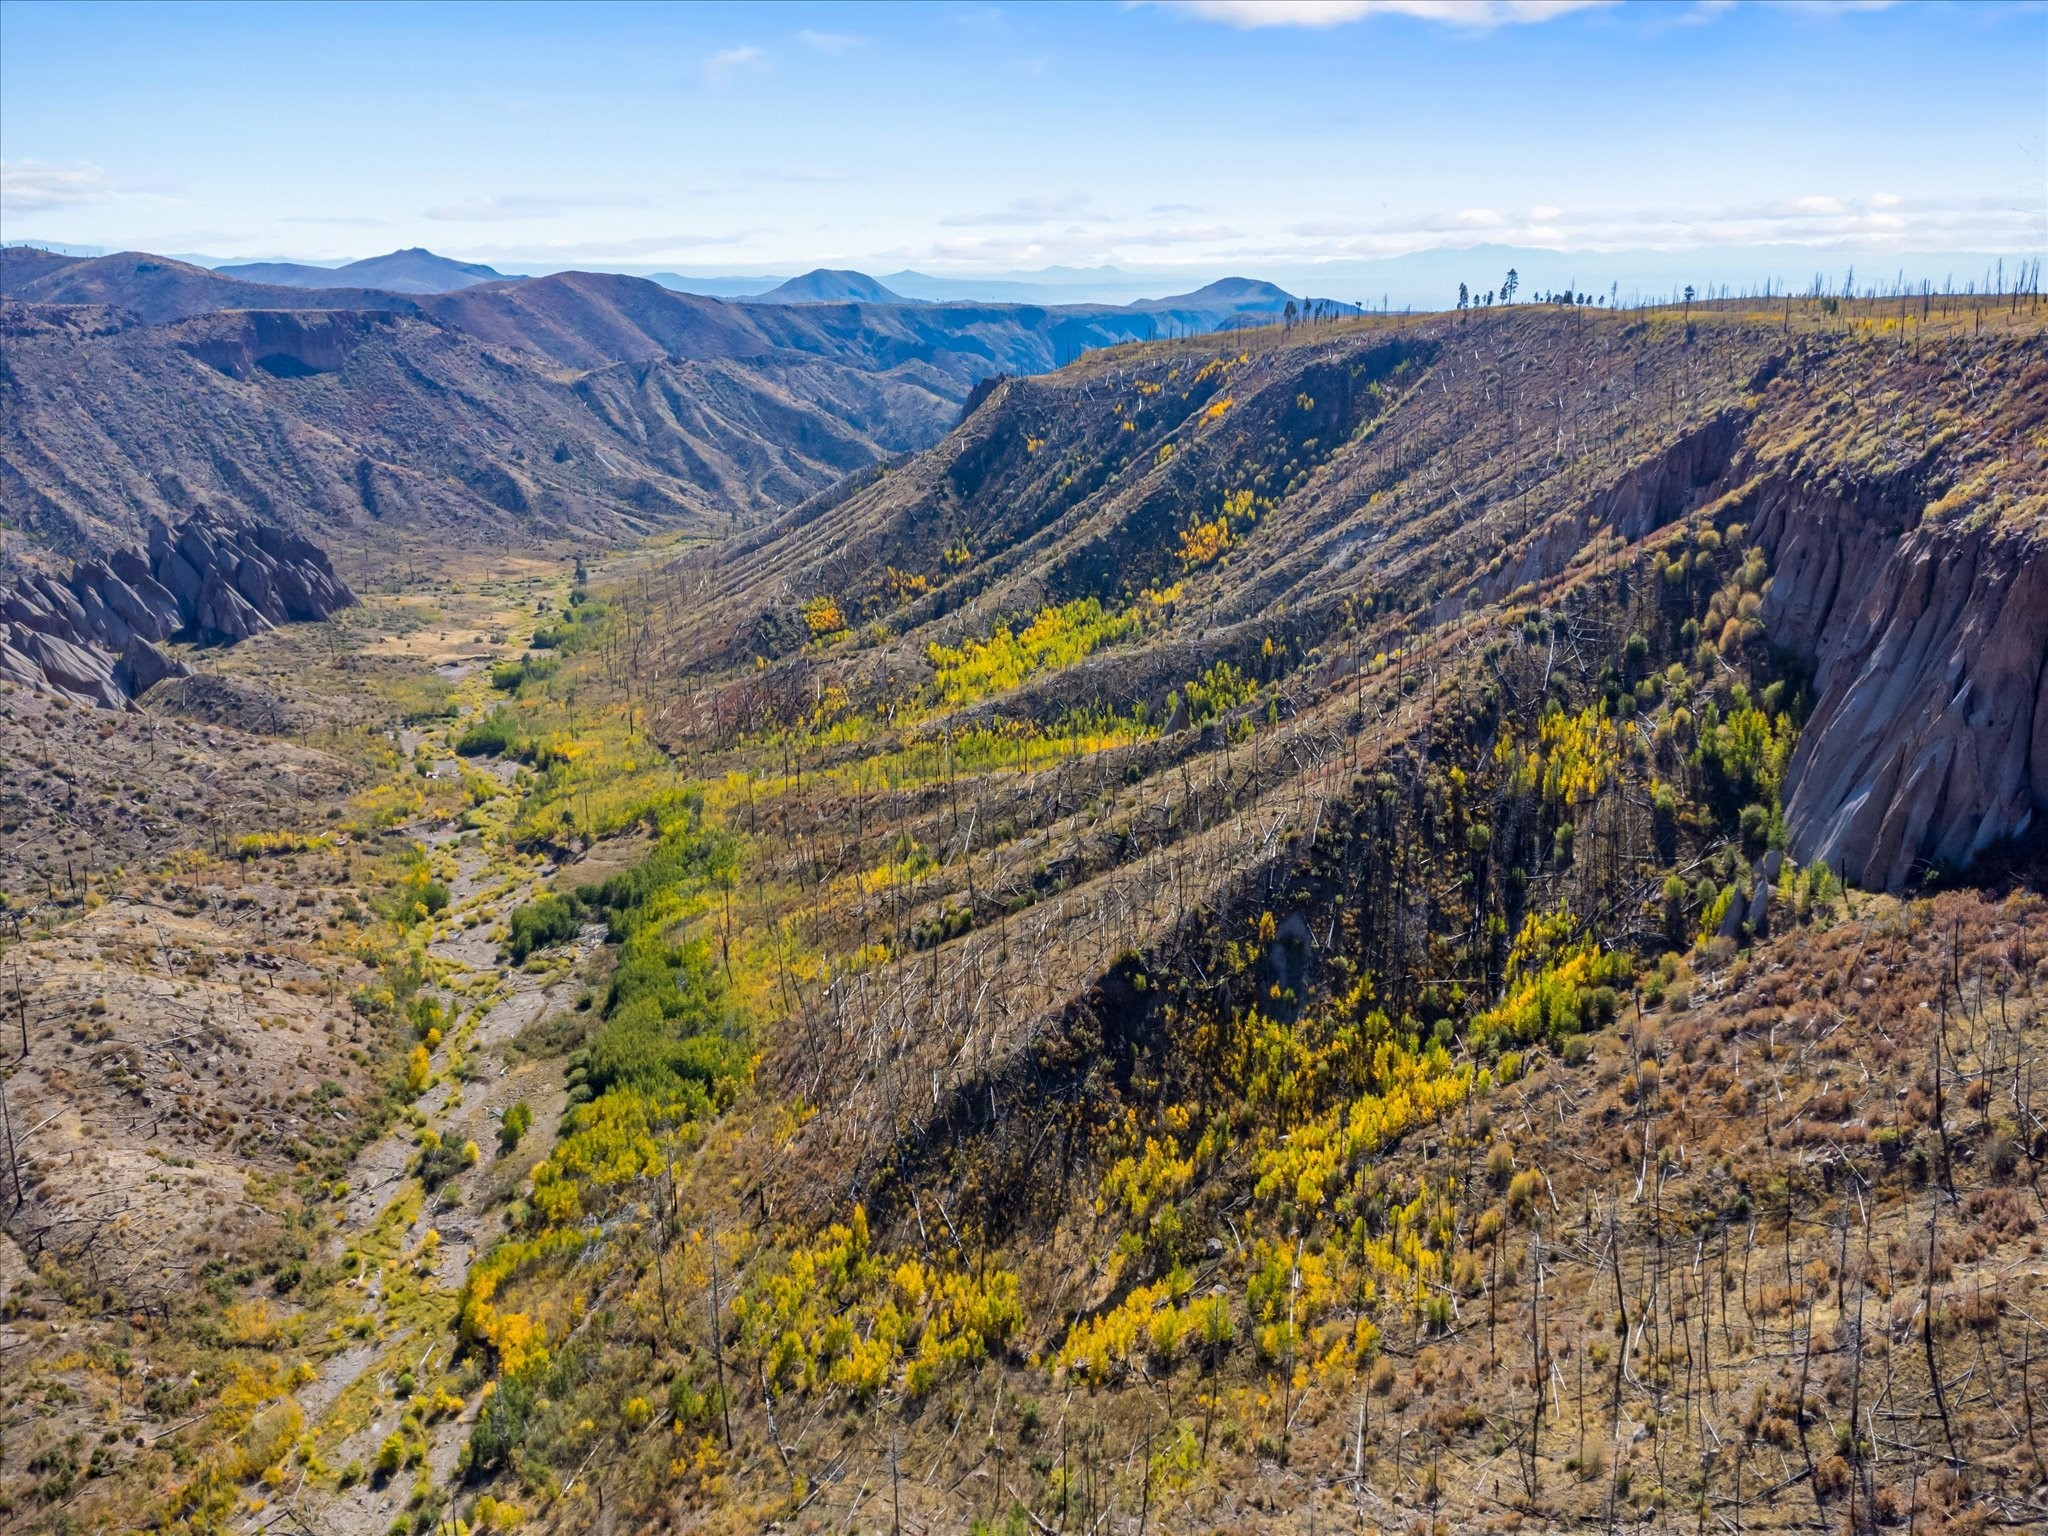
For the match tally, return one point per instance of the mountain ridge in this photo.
(636, 404)
(414, 270)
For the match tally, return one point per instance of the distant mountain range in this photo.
(1218, 304)
(418, 272)
(1425, 279)
(577, 403)
(409, 271)
(455, 396)
(1429, 279)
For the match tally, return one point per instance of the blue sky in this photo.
(973, 138)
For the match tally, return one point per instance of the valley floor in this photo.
(216, 1225)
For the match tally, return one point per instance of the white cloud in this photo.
(723, 65)
(31, 186)
(831, 42)
(1479, 218)
(1544, 213)
(1477, 15)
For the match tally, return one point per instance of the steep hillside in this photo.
(1430, 473)
(339, 421)
(1289, 902)
(580, 405)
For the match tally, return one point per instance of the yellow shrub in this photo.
(419, 1071)
(256, 845)
(836, 1314)
(1055, 637)
(822, 617)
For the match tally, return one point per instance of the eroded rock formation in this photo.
(1929, 737)
(97, 638)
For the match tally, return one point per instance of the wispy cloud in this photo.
(830, 42)
(512, 206)
(345, 220)
(637, 247)
(1475, 15)
(987, 20)
(1075, 246)
(1882, 220)
(33, 186)
(722, 66)
(1025, 211)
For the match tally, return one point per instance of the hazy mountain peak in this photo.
(413, 270)
(828, 285)
(1250, 290)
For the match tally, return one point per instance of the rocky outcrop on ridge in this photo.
(97, 638)
(284, 343)
(1929, 738)
(231, 581)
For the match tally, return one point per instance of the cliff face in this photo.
(1929, 739)
(1645, 499)
(95, 639)
(286, 344)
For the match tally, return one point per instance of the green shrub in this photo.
(668, 1020)
(518, 1119)
(511, 676)
(440, 1163)
(538, 924)
(496, 735)
(642, 1047)
(1755, 823)
(582, 626)
(503, 1422)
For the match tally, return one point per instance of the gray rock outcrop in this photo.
(96, 639)
(1928, 743)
